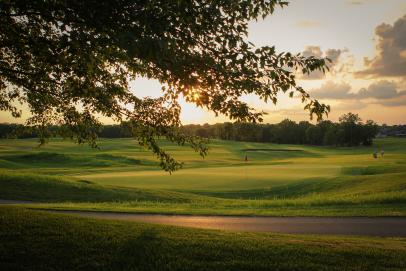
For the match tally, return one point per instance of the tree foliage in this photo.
(71, 61)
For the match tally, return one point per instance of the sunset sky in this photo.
(366, 39)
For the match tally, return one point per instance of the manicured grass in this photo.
(276, 180)
(32, 240)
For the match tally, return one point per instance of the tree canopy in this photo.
(71, 61)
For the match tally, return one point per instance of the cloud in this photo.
(401, 101)
(350, 105)
(390, 60)
(308, 24)
(361, 2)
(312, 51)
(355, 2)
(382, 92)
(332, 90)
(332, 54)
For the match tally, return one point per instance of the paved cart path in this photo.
(12, 202)
(377, 226)
(362, 226)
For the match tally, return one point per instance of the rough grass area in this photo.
(32, 240)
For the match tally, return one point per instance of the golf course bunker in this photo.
(358, 226)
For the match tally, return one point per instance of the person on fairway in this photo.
(382, 152)
(375, 154)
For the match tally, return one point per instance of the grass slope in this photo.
(32, 240)
(43, 188)
(71, 194)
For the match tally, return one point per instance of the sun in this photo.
(193, 95)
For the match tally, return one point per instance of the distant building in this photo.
(380, 135)
(395, 131)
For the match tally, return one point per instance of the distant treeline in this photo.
(349, 131)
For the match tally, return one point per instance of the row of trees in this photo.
(349, 131)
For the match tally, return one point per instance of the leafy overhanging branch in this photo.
(72, 61)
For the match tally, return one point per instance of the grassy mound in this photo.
(53, 159)
(271, 150)
(372, 170)
(368, 187)
(118, 159)
(44, 188)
